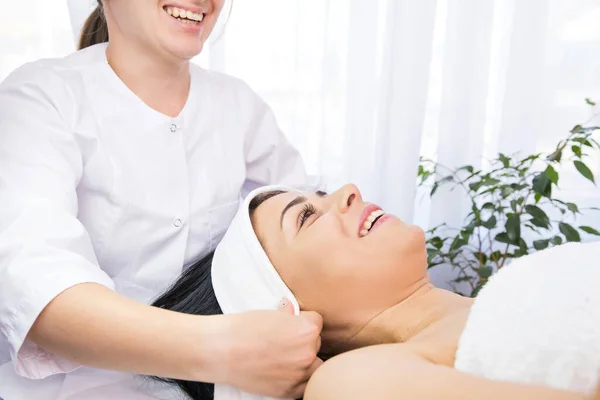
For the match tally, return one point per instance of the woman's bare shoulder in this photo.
(344, 375)
(399, 371)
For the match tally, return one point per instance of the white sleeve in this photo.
(44, 249)
(270, 157)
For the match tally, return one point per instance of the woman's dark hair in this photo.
(192, 293)
(94, 29)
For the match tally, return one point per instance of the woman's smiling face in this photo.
(323, 249)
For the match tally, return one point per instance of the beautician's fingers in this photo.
(316, 364)
(299, 390)
(313, 317)
(318, 344)
(286, 305)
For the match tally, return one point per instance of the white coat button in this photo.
(177, 223)
(173, 127)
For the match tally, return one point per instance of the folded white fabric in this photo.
(538, 321)
(244, 278)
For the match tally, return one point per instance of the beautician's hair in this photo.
(94, 29)
(193, 293)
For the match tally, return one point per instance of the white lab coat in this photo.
(95, 186)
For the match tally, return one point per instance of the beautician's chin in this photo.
(185, 37)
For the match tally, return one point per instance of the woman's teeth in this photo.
(369, 222)
(184, 14)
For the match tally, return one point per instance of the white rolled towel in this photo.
(538, 321)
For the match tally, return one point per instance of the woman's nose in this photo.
(348, 195)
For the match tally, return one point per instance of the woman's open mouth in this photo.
(369, 219)
(184, 16)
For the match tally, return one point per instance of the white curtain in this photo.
(364, 87)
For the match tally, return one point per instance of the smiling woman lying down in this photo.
(533, 331)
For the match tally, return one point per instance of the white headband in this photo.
(244, 279)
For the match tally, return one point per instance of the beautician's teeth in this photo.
(185, 14)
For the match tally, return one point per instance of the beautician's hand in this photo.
(273, 353)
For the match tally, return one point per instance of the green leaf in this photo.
(466, 234)
(521, 252)
(425, 175)
(481, 258)
(556, 240)
(502, 238)
(505, 160)
(542, 184)
(496, 256)
(552, 174)
(457, 243)
(576, 128)
(488, 206)
(556, 156)
(489, 181)
(590, 230)
(533, 228)
(484, 272)
(475, 186)
(468, 168)
(507, 191)
(476, 291)
(570, 233)
(573, 208)
(436, 242)
(576, 150)
(541, 244)
(435, 188)
(584, 170)
(432, 254)
(539, 217)
(591, 103)
(513, 229)
(513, 205)
(538, 197)
(490, 223)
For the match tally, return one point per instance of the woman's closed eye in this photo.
(307, 211)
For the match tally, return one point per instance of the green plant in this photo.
(511, 201)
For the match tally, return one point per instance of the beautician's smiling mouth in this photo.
(372, 217)
(187, 15)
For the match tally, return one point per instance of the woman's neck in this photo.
(162, 85)
(430, 318)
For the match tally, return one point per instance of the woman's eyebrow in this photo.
(295, 202)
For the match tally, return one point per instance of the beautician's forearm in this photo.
(94, 326)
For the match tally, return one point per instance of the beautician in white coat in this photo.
(119, 165)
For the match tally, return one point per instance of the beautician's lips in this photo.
(365, 214)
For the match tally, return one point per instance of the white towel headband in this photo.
(244, 279)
